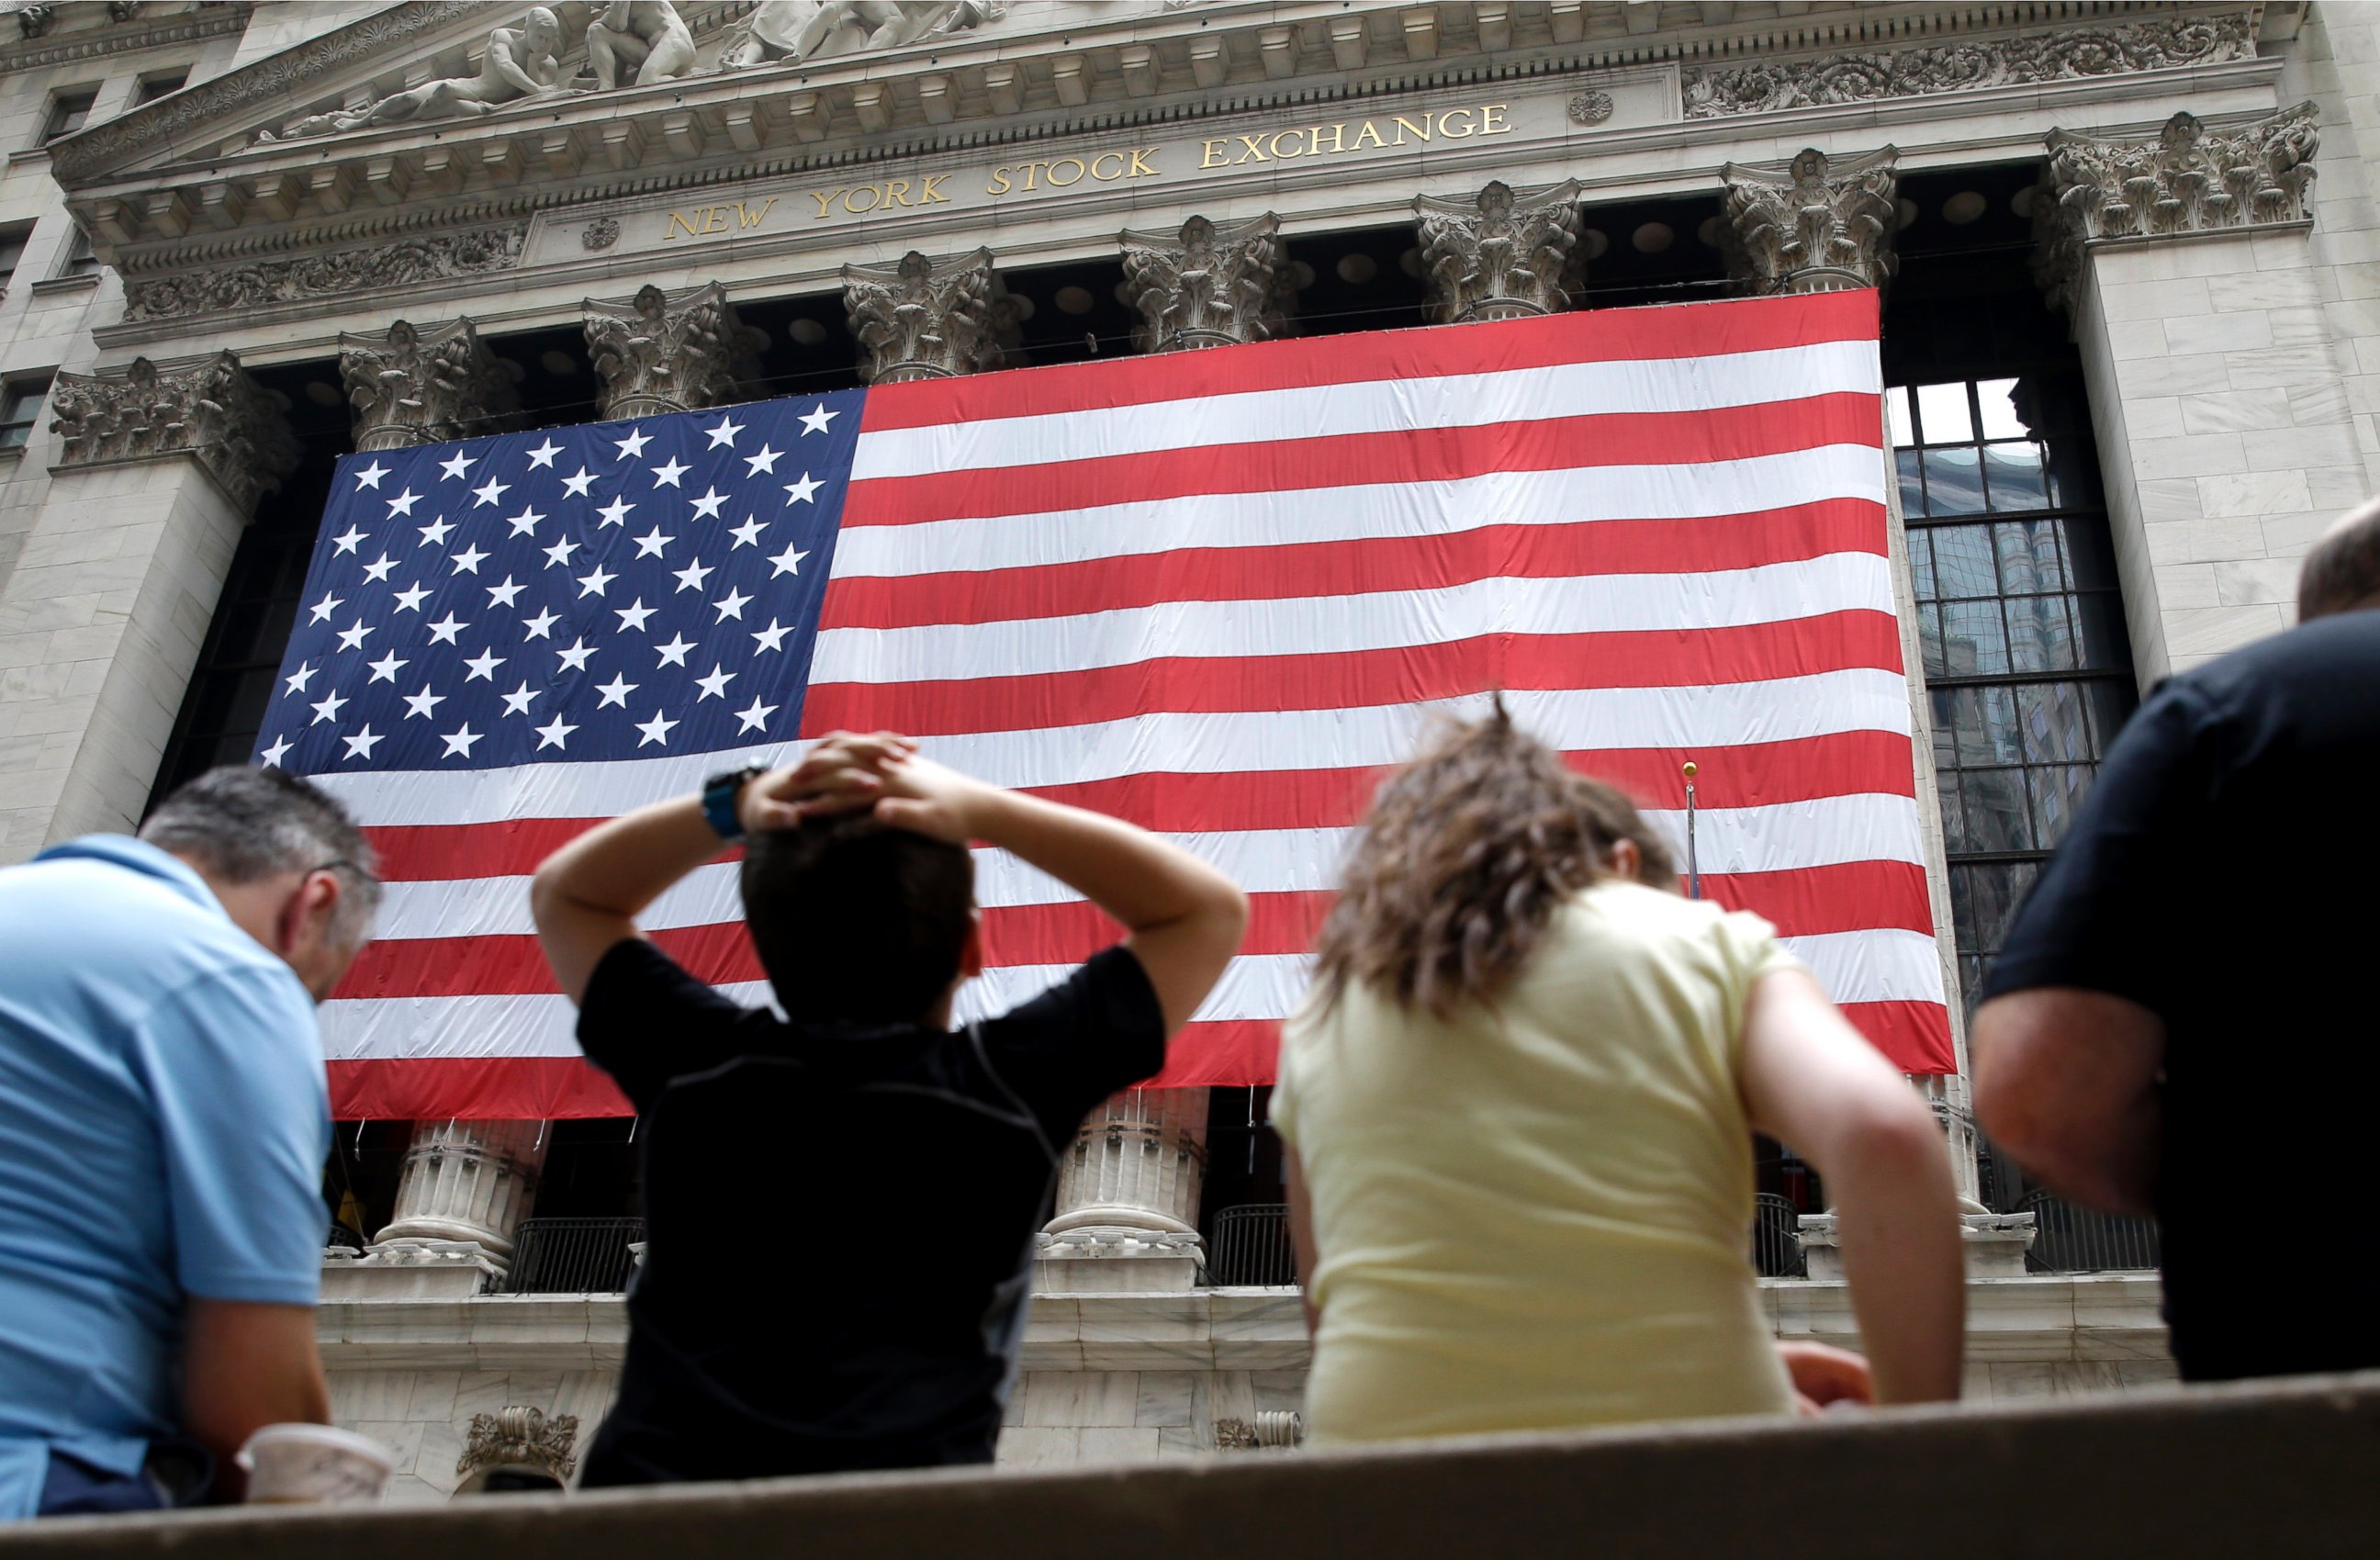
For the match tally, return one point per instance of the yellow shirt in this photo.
(1537, 1215)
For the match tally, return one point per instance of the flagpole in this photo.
(1694, 872)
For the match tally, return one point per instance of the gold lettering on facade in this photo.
(1338, 139)
(677, 220)
(1212, 156)
(1290, 135)
(1369, 130)
(1421, 132)
(1446, 124)
(930, 192)
(1057, 183)
(1254, 152)
(1140, 168)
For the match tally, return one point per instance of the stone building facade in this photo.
(2131, 269)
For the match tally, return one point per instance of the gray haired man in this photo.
(162, 1147)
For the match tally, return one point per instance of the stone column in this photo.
(467, 1183)
(1207, 286)
(927, 319)
(2220, 404)
(153, 474)
(425, 386)
(1127, 1207)
(1811, 226)
(1502, 254)
(660, 353)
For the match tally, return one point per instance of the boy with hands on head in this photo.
(865, 1122)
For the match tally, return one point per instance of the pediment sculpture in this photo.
(522, 63)
(790, 31)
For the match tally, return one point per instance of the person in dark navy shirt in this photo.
(871, 1319)
(2173, 1024)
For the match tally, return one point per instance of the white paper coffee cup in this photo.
(313, 1465)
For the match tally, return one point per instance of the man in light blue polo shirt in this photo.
(164, 1121)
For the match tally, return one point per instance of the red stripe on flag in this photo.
(1854, 896)
(1395, 456)
(1753, 775)
(1711, 545)
(1587, 336)
(1359, 679)
(482, 1089)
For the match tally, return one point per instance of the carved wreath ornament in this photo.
(1590, 108)
(517, 1437)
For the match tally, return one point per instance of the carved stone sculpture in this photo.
(424, 387)
(786, 31)
(646, 37)
(1207, 286)
(518, 1438)
(259, 283)
(1502, 254)
(34, 19)
(521, 63)
(2189, 180)
(657, 354)
(925, 318)
(210, 410)
(1811, 226)
(2107, 50)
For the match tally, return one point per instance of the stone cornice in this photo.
(974, 91)
(182, 27)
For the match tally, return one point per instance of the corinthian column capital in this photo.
(660, 353)
(1811, 226)
(424, 386)
(1207, 286)
(210, 410)
(2190, 179)
(1502, 254)
(925, 318)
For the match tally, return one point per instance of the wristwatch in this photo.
(719, 794)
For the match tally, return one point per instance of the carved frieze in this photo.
(1811, 226)
(260, 283)
(1206, 286)
(519, 1437)
(657, 353)
(1502, 254)
(210, 410)
(791, 32)
(2109, 49)
(2190, 179)
(928, 319)
(424, 387)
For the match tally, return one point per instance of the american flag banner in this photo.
(1214, 593)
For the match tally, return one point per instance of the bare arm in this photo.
(502, 59)
(2066, 1081)
(1301, 1234)
(1183, 918)
(1810, 1080)
(586, 897)
(245, 1366)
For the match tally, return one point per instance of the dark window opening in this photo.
(68, 111)
(1639, 252)
(20, 410)
(152, 87)
(1069, 314)
(13, 240)
(1365, 279)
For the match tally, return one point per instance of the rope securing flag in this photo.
(1214, 593)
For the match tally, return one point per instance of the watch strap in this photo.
(719, 796)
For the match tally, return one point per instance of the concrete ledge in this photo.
(2247, 1470)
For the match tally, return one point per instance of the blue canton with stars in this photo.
(614, 590)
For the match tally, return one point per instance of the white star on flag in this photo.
(803, 491)
(762, 459)
(556, 734)
(327, 710)
(456, 467)
(754, 716)
(460, 742)
(443, 631)
(749, 533)
(483, 496)
(634, 616)
(517, 701)
(816, 418)
(467, 561)
(772, 637)
(422, 702)
(615, 692)
(378, 572)
(411, 600)
(633, 446)
(731, 605)
(326, 606)
(502, 595)
(386, 669)
(724, 434)
(649, 545)
(434, 533)
(707, 507)
(360, 744)
(576, 487)
(674, 653)
(787, 562)
(655, 729)
(370, 477)
(559, 553)
(593, 584)
(667, 474)
(543, 454)
(403, 503)
(615, 514)
(346, 541)
(715, 685)
(299, 678)
(483, 666)
(575, 658)
(352, 636)
(692, 575)
(277, 752)
(524, 522)
(540, 626)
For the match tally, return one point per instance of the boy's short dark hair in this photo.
(858, 919)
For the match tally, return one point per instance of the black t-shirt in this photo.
(840, 1220)
(2222, 875)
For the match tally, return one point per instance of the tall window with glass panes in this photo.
(2028, 667)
